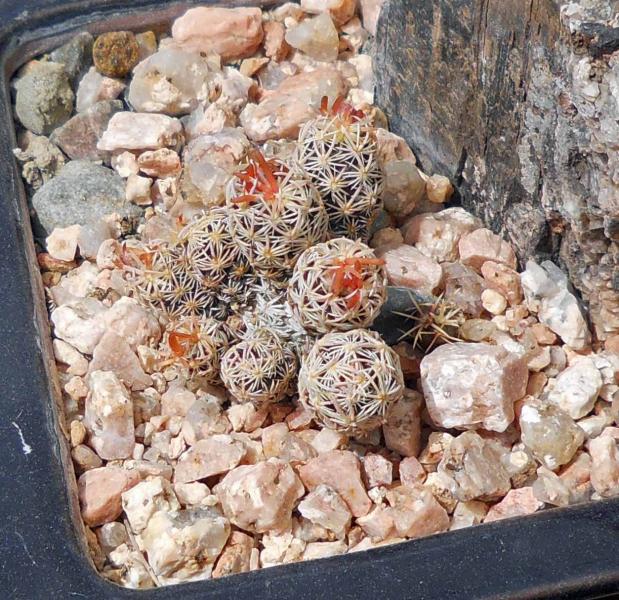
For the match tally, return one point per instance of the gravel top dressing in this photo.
(277, 338)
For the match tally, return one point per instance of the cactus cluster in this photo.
(247, 289)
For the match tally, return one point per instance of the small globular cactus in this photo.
(337, 151)
(162, 279)
(435, 321)
(259, 369)
(197, 344)
(275, 214)
(349, 379)
(211, 251)
(337, 286)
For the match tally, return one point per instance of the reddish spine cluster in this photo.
(259, 179)
(341, 108)
(348, 277)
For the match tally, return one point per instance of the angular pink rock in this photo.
(407, 267)
(94, 87)
(140, 131)
(296, 100)
(177, 401)
(275, 45)
(437, 234)
(324, 506)
(79, 136)
(114, 354)
(212, 456)
(327, 440)
(475, 465)
(232, 33)
(482, 245)
(411, 471)
(402, 428)
(236, 555)
(109, 416)
(370, 11)
(463, 287)
(159, 163)
(340, 470)
(504, 280)
(472, 385)
(132, 322)
(604, 466)
(378, 523)
(100, 491)
(377, 469)
(415, 512)
(260, 498)
(341, 11)
(516, 503)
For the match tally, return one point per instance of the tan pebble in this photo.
(78, 433)
(275, 45)
(387, 237)
(138, 190)
(504, 280)
(411, 471)
(147, 44)
(76, 388)
(482, 245)
(493, 302)
(537, 383)
(538, 359)
(85, 458)
(543, 334)
(439, 189)
(48, 263)
(250, 66)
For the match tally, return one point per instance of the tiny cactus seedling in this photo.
(349, 379)
(259, 369)
(435, 322)
(337, 151)
(275, 214)
(337, 286)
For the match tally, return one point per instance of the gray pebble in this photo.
(75, 55)
(44, 97)
(82, 192)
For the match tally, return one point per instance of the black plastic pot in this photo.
(564, 553)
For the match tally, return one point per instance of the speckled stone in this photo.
(115, 53)
(82, 192)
